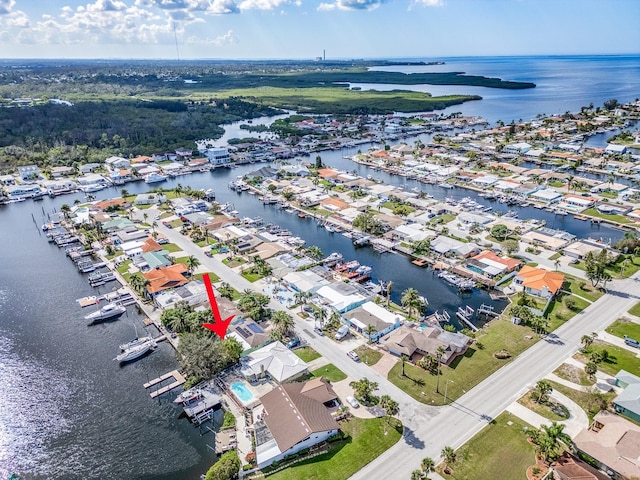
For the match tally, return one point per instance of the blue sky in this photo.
(254, 29)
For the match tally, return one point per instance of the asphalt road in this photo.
(429, 429)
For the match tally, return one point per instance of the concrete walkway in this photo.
(618, 342)
(604, 381)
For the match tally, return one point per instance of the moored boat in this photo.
(108, 311)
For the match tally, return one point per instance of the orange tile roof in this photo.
(510, 263)
(150, 245)
(166, 277)
(538, 278)
(104, 204)
(142, 159)
(327, 173)
(336, 202)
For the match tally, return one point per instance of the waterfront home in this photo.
(152, 260)
(576, 203)
(247, 332)
(119, 224)
(163, 278)
(343, 297)
(546, 195)
(609, 187)
(28, 172)
(150, 198)
(88, 167)
(538, 281)
(57, 172)
(371, 314)
(276, 360)
(141, 159)
(7, 180)
(517, 148)
(450, 246)
(570, 467)
(132, 249)
(23, 191)
(491, 265)
(117, 163)
(615, 149)
(129, 236)
(308, 281)
(194, 293)
(581, 248)
(613, 209)
(53, 187)
(417, 343)
(411, 232)
(172, 168)
(613, 443)
(295, 418)
(627, 402)
(118, 177)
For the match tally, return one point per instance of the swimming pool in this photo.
(241, 391)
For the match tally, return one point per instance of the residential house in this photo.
(538, 281)
(614, 443)
(276, 360)
(548, 238)
(581, 248)
(546, 195)
(57, 172)
(7, 180)
(305, 281)
(371, 314)
(28, 172)
(88, 168)
(410, 232)
(570, 467)
(489, 264)
(445, 245)
(343, 297)
(117, 163)
(218, 155)
(416, 343)
(628, 402)
(150, 198)
(23, 191)
(194, 293)
(119, 224)
(164, 278)
(247, 332)
(295, 418)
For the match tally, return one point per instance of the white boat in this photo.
(188, 396)
(136, 352)
(110, 310)
(154, 178)
(134, 343)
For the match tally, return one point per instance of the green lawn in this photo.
(499, 450)
(212, 276)
(592, 212)
(444, 218)
(329, 372)
(124, 267)
(551, 409)
(171, 247)
(558, 312)
(590, 401)
(582, 288)
(252, 277)
(465, 372)
(622, 327)
(367, 440)
(635, 310)
(619, 358)
(368, 355)
(306, 354)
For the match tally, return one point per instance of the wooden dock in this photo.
(175, 374)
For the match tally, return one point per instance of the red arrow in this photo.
(220, 326)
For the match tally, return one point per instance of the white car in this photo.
(352, 401)
(354, 356)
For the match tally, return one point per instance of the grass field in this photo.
(635, 310)
(499, 450)
(622, 327)
(212, 276)
(368, 355)
(590, 402)
(342, 100)
(574, 374)
(465, 372)
(558, 312)
(582, 288)
(252, 277)
(619, 358)
(329, 372)
(367, 440)
(551, 409)
(306, 354)
(171, 247)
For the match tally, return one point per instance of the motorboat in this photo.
(136, 352)
(134, 343)
(110, 310)
(188, 396)
(154, 178)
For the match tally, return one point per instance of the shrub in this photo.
(502, 355)
(226, 468)
(570, 303)
(229, 420)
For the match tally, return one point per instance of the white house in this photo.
(275, 359)
(370, 314)
(343, 296)
(28, 172)
(218, 155)
(517, 148)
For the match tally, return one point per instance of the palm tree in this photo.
(388, 291)
(301, 298)
(370, 330)
(427, 465)
(390, 406)
(154, 225)
(556, 264)
(550, 439)
(542, 389)
(363, 389)
(192, 263)
(314, 252)
(417, 475)
(178, 190)
(440, 351)
(282, 322)
(321, 316)
(65, 209)
(587, 340)
(124, 193)
(403, 359)
(138, 283)
(410, 300)
(448, 455)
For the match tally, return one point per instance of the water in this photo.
(67, 410)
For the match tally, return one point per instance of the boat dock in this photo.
(175, 374)
(200, 410)
(465, 314)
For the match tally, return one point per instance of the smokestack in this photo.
(324, 55)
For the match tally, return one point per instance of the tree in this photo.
(226, 468)
(403, 359)
(542, 390)
(320, 316)
(587, 340)
(549, 439)
(591, 368)
(427, 465)
(225, 290)
(192, 263)
(390, 406)
(314, 252)
(499, 232)
(282, 323)
(417, 475)
(65, 209)
(511, 246)
(440, 351)
(363, 390)
(254, 304)
(138, 283)
(448, 455)
(422, 247)
(124, 193)
(301, 298)
(389, 287)
(370, 330)
(410, 300)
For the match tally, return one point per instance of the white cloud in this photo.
(263, 4)
(351, 5)
(226, 39)
(222, 7)
(429, 3)
(6, 6)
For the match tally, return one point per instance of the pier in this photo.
(175, 374)
(464, 314)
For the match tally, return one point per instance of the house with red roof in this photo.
(163, 278)
(539, 282)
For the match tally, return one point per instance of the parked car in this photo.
(308, 308)
(293, 343)
(319, 331)
(352, 401)
(631, 342)
(354, 356)
(342, 332)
